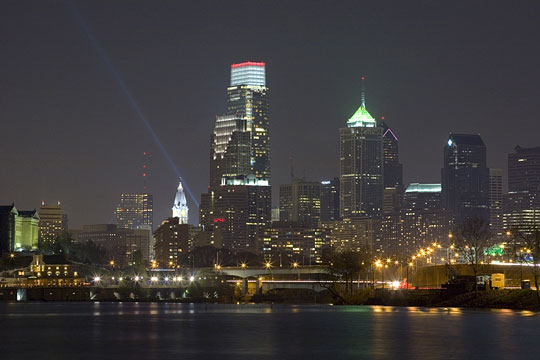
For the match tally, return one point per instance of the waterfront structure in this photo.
(52, 222)
(172, 242)
(361, 166)
(496, 202)
(289, 242)
(19, 229)
(465, 177)
(238, 210)
(300, 201)
(330, 200)
(180, 208)
(135, 211)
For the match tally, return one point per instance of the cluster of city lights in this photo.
(154, 279)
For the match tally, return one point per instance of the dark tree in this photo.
(471, 239)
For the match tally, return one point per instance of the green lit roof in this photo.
(361, 118)
(425, 188)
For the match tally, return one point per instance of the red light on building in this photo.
(248, 63)
(218, 220)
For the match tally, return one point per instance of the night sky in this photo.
(69, 133)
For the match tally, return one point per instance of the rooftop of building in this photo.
(424, 188)
(361, 118)
(466, 139)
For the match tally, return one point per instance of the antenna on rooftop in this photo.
(363, 91)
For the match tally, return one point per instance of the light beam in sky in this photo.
(116, 75)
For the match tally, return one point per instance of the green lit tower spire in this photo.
(361, 164)
(362, 118)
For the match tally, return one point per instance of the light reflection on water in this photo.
(200, 331)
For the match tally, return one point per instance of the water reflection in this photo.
(161, 330)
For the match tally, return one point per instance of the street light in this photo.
(295, 265)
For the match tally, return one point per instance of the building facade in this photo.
(52, 222)
(135, 211)
(300, 201)
(465, 178)
(330, 200)
(180, 208)
(361, 166)
(19, 229)
(496, 213)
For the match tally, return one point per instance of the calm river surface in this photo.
(198, 331)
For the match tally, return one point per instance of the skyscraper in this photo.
(180, 209)
(51, 222)
(522, 203)
(361, 165)
(330, 200)
(238, 203)
(135, 211)
(393, 169)
(248, 99)
(524, 172)
(496, 201)
(465, 178)
(300, 201)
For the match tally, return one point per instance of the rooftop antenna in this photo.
(291, 165)
(144, 171)
(363, 91)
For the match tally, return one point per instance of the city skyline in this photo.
(87, 143)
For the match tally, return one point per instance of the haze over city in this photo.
(70, 133)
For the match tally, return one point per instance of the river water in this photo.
(198, 331)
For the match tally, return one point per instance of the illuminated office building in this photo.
(330, 200)
(52, 222)
(465, 178)
(237, 205)
(361, 166)
(300, 201)
(135, 211)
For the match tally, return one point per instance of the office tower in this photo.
(287, 242)
(180, 209)
(230, 153)
(135, 211)
(330, 200)
(358, 234)
(524, 172)
(237, 212)
(18, 229)
(420, 222)
(361, 166)
(52, 222)
(496, 202)
(172, 242)
(240, 164)
(422, 197)
(465, 178)
(248, 99)
(522, 203)
(300, 201)
(393, 171)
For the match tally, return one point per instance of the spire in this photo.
(361, 117)
(363, 92)
(180, 208)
